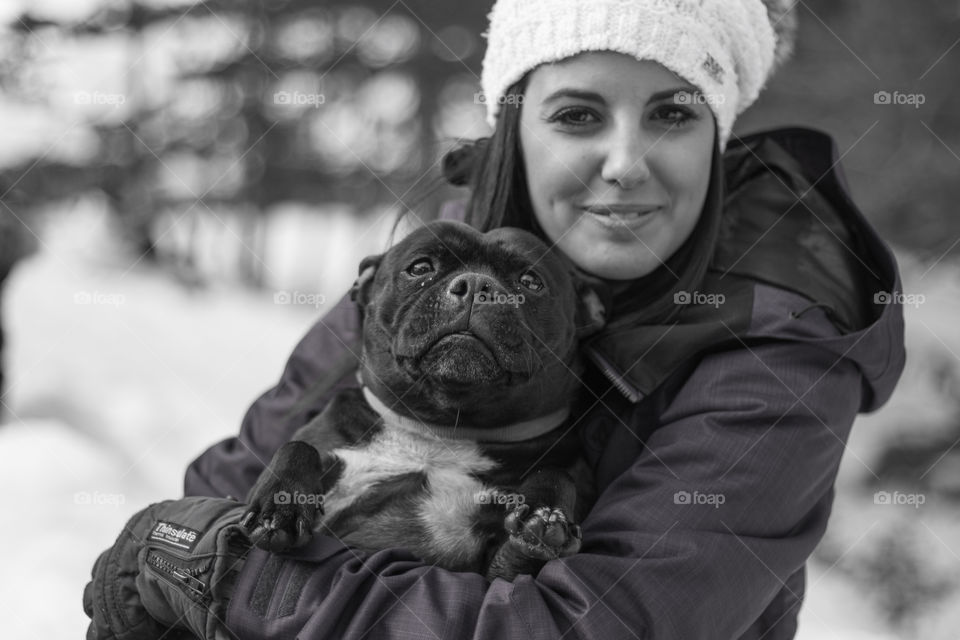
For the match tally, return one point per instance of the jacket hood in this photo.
(791, 240)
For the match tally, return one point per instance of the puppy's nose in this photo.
(466, 285)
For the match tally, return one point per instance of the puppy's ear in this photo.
(591, 308)
(594, 299)
(360, 291)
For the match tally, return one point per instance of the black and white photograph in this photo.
(493, 320)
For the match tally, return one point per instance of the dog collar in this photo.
(516, 432)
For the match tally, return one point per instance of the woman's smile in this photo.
(627, 217)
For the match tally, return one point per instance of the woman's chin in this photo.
(621, 260)
(626, 267)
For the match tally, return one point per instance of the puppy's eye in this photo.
(531, 281)
(420, 267)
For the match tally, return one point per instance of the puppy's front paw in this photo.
(281, 518)
(544, 534)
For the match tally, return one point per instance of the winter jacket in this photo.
(715, 440)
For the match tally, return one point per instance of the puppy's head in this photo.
(471, 328)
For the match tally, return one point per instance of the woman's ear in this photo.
(360, 290)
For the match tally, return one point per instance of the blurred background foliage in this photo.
(228, 109)
(176, 113)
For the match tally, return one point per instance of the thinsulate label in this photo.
(175, 535)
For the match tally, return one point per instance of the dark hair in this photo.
(493, 168)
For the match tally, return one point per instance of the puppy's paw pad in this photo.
(278, 525)
(267, 535)
(545, 533)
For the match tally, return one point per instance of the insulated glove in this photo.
(170, 574)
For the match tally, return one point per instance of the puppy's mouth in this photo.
(461, 358)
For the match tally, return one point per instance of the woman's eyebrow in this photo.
(592, 96)
(577, 94)
(669, 93)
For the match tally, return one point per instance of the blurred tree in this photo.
(16, 242)
(905, 580)
(264, 103)
(235, 106)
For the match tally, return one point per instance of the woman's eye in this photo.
(674, 115)
(420, 267)
(531, 281)
(574, 117)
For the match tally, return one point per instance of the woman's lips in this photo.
(620, 216)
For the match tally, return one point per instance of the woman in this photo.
(744, 337)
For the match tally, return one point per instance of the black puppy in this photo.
(459, 446)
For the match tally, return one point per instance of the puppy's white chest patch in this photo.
(447, 509)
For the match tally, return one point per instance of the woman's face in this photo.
(618, 167)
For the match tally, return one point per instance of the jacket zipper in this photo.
(618, 381)
(183, 576)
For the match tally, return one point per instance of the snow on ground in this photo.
(835, 609)
(116, 381)
(119, 378)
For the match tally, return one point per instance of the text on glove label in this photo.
(174, 535)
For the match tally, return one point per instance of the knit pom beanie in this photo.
(728, 49)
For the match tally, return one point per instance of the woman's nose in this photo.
(626, 162)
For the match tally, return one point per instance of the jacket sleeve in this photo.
(707, 525)
(324, 362)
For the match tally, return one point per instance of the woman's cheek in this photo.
(570, 174)
(686, 177)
